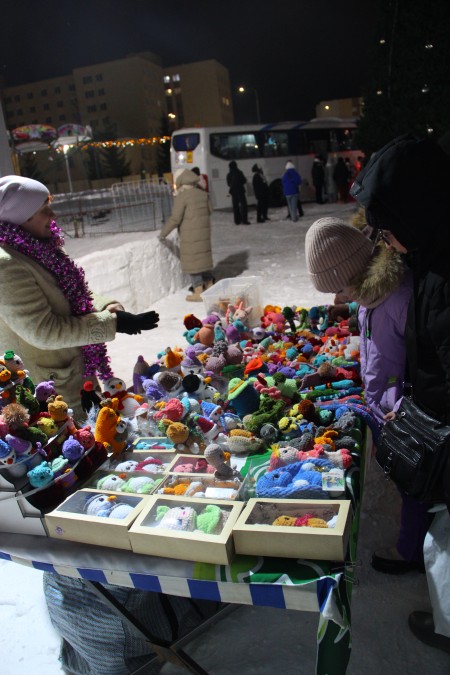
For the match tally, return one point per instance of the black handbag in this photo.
(413, 450)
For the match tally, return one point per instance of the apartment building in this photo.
(134, 98)
(340, 107)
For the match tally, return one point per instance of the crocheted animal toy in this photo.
(43, 392)
(215, 456)
(112, 482)
(308, 520)
(242, 396)
(110, 429)
(183, 439)
(72, 450)
(106, 506)
(127, 465)
(172, 409)
(269, 412)
(15, 419)
(288, 455)
(243, 441)
(223, 355)
(141, 485)
(16, 366)
(40, 475)
(273, 319)
(128, 401)
(89, 397)
(299, 480)
(150, 465)
(181, 518)
(198, 387)
(60, 413)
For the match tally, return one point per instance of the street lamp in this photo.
(66, 149)
(242, 90)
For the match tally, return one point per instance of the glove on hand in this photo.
(134, 323)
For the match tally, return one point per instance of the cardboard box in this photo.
(69, 521)
(158, 537)
(234, 291)
(254, 533)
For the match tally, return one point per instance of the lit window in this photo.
(327, 107)
(176, 78)
(169, 92)
(166, 79)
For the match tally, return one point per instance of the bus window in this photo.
(184, 142)
(234, 146)
(275, 144)
(342, 139)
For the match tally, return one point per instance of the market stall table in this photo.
(301, 585)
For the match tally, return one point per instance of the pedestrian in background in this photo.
(341, 177)
(236, 187)
(291, 181)
(318, 178)
(190, 215)
(261, 190)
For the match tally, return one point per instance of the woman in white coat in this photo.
(48, 315)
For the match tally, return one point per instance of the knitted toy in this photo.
(242, 396)
(112, 482)
(198, 387)
(141, 485)
(172, 409)
(223, 355)
(273, 320)
(128, 401)
(298, 480)
(269, 433)
(15, 419)
(288, 455)
(172, 359)
(85, 436)
(169, 382)
(89, 397)
(40, 475)
(48, 426)
(243, 441)
(127, 465)
(15, 365)
(308, 520)
(210, 431)
(183, 439)
(215, 456)
(268, 412)
(9, 460)
(150, 465)
(110, 429)
(43, 391)
(60, 413)
(72, 450)
(106, 506)
(181, 518)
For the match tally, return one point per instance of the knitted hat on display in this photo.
(336, 253)
(20, 198)
(205, 425)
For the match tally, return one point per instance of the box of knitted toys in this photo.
(237, 301)
(95, 517)
(156, 462)
(186, 528)
(294, 528)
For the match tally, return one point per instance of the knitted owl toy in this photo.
(106, 506)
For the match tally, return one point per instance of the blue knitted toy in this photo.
(301, 480)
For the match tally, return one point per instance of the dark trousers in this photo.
(414, 523)
(262, 206)
(240, 210)
(319, 192)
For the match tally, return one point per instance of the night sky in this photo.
(293, 52)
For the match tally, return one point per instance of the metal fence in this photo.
(132, 206)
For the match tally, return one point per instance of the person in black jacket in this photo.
(261, 190)
(318, 178)
(412, 215)
(236, 186)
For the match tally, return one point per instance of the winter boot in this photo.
(195, 296)
(207, 284)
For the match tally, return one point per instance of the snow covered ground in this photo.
(142, 273)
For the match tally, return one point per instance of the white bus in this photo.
(270, 146)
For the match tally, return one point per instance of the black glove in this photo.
(134, 323)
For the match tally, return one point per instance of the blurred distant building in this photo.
(340, 107)
(134, 97)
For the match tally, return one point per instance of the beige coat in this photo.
(36, 322)
(190, 214)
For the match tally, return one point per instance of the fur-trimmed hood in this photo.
(383, 275)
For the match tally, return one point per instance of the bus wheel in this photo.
(276, 196)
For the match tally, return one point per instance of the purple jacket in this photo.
(383, 350)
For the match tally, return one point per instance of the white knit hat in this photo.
(336, 253)
(20, 198)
